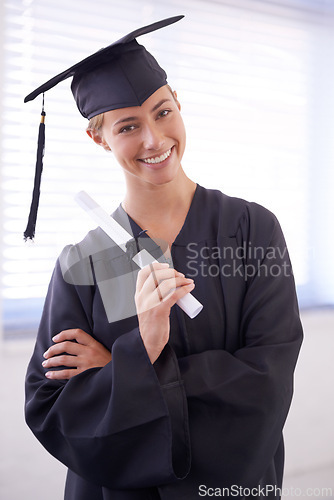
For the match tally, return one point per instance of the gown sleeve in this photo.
(114, 426)
(238, 399)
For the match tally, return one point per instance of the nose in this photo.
(152, 137)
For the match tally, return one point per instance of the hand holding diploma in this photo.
(159, 287)
(188, 303)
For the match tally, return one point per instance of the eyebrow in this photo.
(160, 103)
(133, 118)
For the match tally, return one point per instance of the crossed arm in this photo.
(159, 287)
(84, 353)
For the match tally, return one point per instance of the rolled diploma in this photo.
(189, 304)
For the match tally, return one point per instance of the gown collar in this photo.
(190, 230)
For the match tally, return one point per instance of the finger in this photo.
(63, 360)
(147, 271)
(155, 281)
(177, 294)
(168, 286)
(158, 276)
(61, 374)
(163, 274)
(68, 347)
(74, 334)
(164, 292)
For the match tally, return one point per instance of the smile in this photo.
(158, 159)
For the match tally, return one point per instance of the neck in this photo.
(154, 204)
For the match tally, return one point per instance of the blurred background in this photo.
(256, 83)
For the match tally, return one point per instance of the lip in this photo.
(157, 166)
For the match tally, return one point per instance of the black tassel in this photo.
(30, 229)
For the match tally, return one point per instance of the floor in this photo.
(28, 472)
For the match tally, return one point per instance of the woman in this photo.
(137, 399)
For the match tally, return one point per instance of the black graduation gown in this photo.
(209, 413)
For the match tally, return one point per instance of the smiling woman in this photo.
(254, 85)
(148, 142)
(138, 400)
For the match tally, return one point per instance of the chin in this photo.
(164, 178)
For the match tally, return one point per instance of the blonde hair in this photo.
(96, 122)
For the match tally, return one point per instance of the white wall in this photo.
(2, 24)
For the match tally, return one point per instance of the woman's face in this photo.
(149, 140)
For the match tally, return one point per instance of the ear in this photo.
(176, 100)
(98, 138)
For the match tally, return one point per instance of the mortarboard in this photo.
(124, 74)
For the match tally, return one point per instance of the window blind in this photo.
(255, 82)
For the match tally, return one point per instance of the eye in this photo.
(164, 113)
(128, 128)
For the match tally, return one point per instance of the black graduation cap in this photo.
(124, 74)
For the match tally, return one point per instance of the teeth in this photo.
(158, 159)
